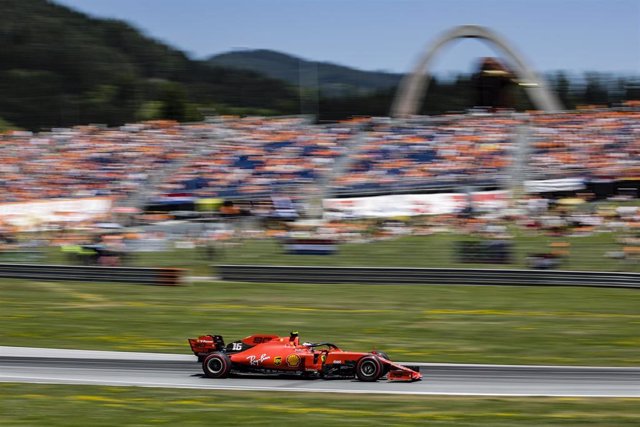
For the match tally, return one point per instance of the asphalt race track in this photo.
(52, 366)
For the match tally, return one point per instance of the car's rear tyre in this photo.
(369, 368)
(216, 365)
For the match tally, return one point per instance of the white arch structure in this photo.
(414, 85)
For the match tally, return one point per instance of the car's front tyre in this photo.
(216, 365)
(369, 368)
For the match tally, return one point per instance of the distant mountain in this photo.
(59, 67)
(333, 79)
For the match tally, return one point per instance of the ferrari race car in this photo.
(272, 354)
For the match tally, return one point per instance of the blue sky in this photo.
(573, 35)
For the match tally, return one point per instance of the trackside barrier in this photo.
(435, 276)
(147, 276)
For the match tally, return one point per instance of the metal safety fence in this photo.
(305, 274)
(147, 276)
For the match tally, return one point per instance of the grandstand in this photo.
(256, 157)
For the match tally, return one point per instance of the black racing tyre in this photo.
(369, 368)
(216, 365)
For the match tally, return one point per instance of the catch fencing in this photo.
(436, 276)
(147, 276)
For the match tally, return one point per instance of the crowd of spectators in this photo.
(89, 161)
(234, 157)
(597, 144)
(442, 150)
(266, 156)
(261, 156)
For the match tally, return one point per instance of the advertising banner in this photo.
(549, 185)
(415, 204)
(29, 215)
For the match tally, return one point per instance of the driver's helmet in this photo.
(293, 337)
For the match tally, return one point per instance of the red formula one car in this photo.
(272, 354)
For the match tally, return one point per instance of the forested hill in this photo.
(332, 79)
(59, 67)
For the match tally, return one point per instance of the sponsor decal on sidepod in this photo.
(293, 360)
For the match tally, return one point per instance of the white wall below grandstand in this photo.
(414, 204)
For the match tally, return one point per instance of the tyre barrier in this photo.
(433, 276)
(146, 276)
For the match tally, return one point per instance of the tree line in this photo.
(458, 94)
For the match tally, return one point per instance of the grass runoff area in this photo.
(37, 405)
(525, 325)
(462, 324)
(437, 250)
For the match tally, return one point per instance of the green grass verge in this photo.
(57, 405)
(522, 325)
(437, 250)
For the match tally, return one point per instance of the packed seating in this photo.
(261, 156)
(87, 160)
(443, 150)
(235, 157)
(600, 144)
